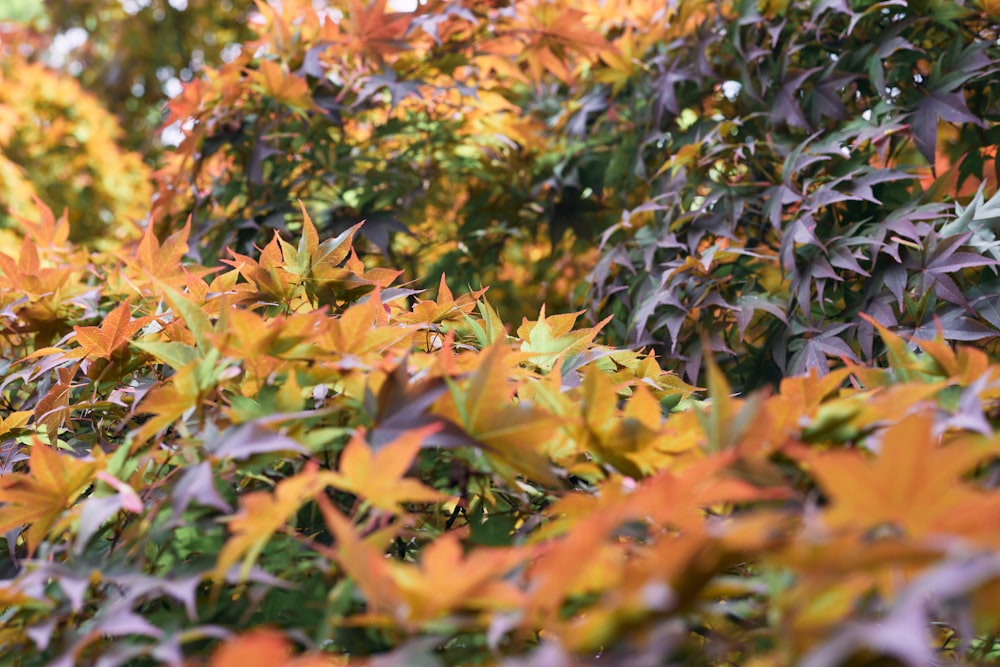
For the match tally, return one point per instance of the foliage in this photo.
(760, 171)
(132, 54)
(58, 143)
(788, 146)
(239, 441)
(441, 123)
(289, 460)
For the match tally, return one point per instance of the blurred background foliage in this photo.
(59, 143)
(762, 171)
(132, 54)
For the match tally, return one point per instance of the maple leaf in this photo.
(187, 103)
(267, 647)
(287, 88)
(321, 259)
(378, 476)
(260, 647)
(40, 497)
(14, 420)
(552, 338)
(913, 484)
(364, 329)
(52, 410)
(47, 232)
(374, 32)
(550, 581)
(678, 499)
(365, 564)
(447, 579)
(845, 419)
(114, 333)
(152, 262)
(261, 515)
(269, 275)
(938, 103)
(616, 438)
(183, 391)
(513, 435)
(446, 307)
(247, 335)
(554, 32)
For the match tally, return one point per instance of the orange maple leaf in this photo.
(363, 329)
(447, 307)
(261, 515)
(514, 435)
(152, 261)
(445, 580)
(267, 647)
(114, 333)
(40, 497)
(47, 232)
(374, 32)
(913, 485)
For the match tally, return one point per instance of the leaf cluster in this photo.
(764, 171)
(800, 159)
(289, 459)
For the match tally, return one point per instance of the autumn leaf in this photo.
(364, 329)
(514, 435)
(114, 333)
(14, 420)
(183, 391)
(913, 484)
(52, 410)
(283, 86)
(378, 476)
(40, 498)
(260, 648)
(365, 564)
(267, 647)
(553, 34)
(152, 262)
(374, 32)
(261, 515)
(630, 440)
(324, 258)
(47, 232)
(447, 579)
(270, 275)
(552, 338)
(446, 307)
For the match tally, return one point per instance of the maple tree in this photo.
(241, 436)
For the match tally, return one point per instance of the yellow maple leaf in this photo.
(379, 476)
(285, 87)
